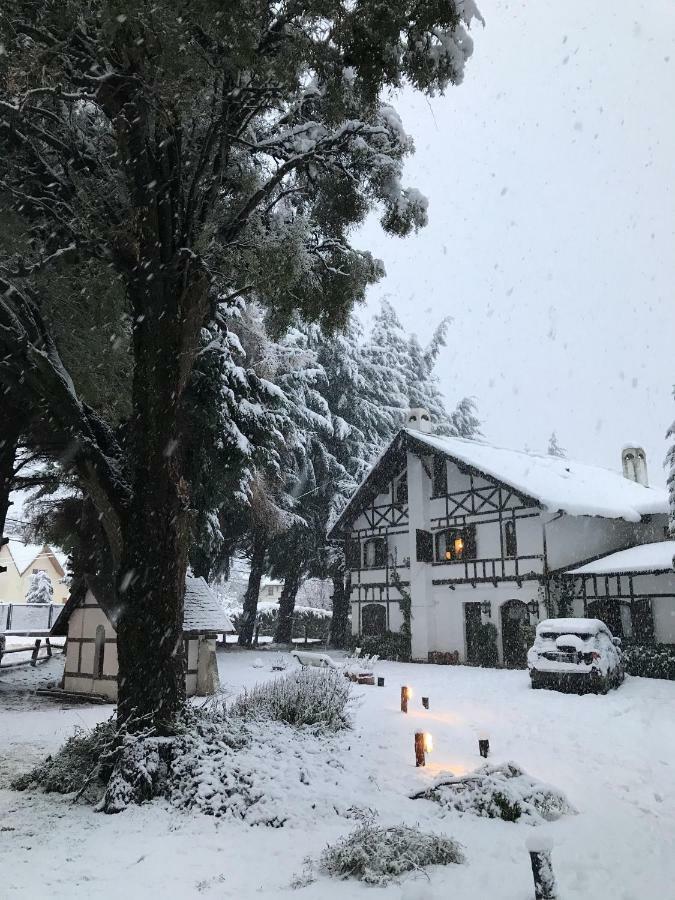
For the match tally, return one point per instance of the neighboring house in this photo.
(270, 590)
(481, 534)
(91, 649)
(23, 560)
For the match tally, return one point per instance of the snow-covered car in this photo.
(575, 654)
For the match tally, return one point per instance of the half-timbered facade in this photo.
(89, 620)
(480, 534)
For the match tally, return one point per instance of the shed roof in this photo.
(551, 482)
(656, 557)
(203, 612)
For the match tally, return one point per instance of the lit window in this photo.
(455, 544)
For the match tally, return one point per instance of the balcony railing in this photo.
(28, 616)
(486, 570)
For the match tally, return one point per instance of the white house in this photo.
(89, 621)
(478, 534)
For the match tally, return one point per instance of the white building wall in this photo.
(574, 539)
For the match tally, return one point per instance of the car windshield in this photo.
(554, 635)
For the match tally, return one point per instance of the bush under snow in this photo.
(377, 854)
(242, 762)
(303, 697)
(500, 792)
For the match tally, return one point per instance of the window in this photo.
(510, 540)
(374, 553)
(373, 619)
(99, 651)
(456, 543)
(440, 477)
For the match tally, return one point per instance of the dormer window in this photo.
(375, 553)
(455, 544)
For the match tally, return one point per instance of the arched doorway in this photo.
(373, 619)
(515, 620)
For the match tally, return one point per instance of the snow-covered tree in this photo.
(554, 448)
(40, 589)
(222, 152)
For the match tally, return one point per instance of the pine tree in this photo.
(554, 448)
(40, 589)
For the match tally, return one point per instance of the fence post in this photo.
(9, 616)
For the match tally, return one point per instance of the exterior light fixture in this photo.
(423, 744)
(406, 694)
(486, 608)
(533, 608)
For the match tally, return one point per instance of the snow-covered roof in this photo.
(24, 555)
(656, 557)
(203, 611)
(571, 626)
(554, 482)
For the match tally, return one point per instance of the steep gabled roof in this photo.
(550, 482)
(203, 612)
(24, 555)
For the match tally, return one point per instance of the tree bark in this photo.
(151, 577)
(250, 612)
(339, 628)
(284, 629)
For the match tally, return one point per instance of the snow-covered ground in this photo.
(612, 756)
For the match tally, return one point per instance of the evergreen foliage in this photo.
(40, 589)
(650, 660)
(554, 448)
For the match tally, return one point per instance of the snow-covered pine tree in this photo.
(554, 448)
(40, 589)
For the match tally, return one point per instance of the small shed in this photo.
(88, 621)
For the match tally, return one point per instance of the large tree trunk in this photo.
(250, 611)
(284, 629)
(339, 627)
(151, 579)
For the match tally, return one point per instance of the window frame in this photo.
(466, 533)
(380, 559)
(99, 651)
(510, 539)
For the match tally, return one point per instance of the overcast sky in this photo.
(551, 236)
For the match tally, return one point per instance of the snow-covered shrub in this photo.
(650, 660)
(378, 855)
(141, 772)
(500, 792)
(390, 645)
(314, 623)
(304, 697)
(83, 762)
